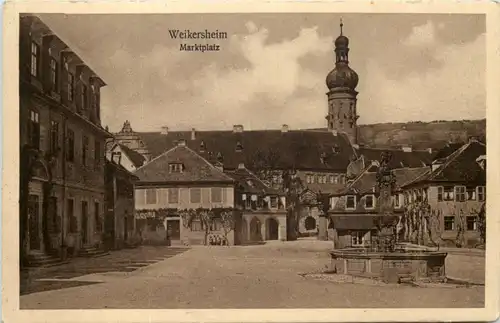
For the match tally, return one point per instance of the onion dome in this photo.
(342, 76)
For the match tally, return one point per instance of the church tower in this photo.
(342, 95)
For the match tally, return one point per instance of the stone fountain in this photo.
(385, 259)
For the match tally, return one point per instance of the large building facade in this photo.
(61, 145)
(326, 161)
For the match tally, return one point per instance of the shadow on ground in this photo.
(124, 261)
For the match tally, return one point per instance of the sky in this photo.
(271, 69)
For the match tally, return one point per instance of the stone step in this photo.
(92, 252)
(43, 260)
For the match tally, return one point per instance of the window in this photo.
(216, 225)
(471, 194)
(151, 196)
(97, 153)
(176, 168)
(460, 193)
(396, 201)
(471, 223)
(350, 202)
(370, 201)
(84, 97)
(308, 179)
(313, 179)
(447, 194)
(54, 136)
(449, 223)
(216, 194)
(35, 59)
(173, 195)
(97, 217)
(196, 225)
(481, 193)
(53, 74)
(73, 223)
(274, 202)
(357, 238)
(34, 129)
(85, 148)
(195, 195)
(70, 151)
(322, 179)
(332, 179)
(71, 87)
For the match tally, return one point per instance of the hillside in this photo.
(420, 135)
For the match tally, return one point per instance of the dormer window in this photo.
(239, 146)
(202, 146)
(176, 168)
(350, 202)
(335, 149)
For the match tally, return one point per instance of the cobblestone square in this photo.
(264, 276)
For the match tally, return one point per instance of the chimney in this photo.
(284, 128)
(237, 128)
(241, 166)
(334, 132)
(193, 134)
(164, 130)
(429, 150)
(407, 149)
(181, 143)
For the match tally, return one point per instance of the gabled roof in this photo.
(292, 149)
(366, 181)
(249, 182)
(196, 168)
(136, 158)
(460, 166)
(119, 168)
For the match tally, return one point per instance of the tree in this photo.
(481, 223)
(227, 221)
(293, 187)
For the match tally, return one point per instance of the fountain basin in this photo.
(391, 267)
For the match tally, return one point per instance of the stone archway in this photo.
(255, 230)
(310, 223)
(272, 229)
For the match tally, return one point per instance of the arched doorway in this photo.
(255, 232)
(272, 229)
(310, 223)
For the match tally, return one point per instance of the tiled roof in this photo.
(447, 150)
(292, 149)
(249, 182)
(196, 168)
(367, 179)
(400, 158)
(460, 166)
(136, 158)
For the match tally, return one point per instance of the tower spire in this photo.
(341, 27)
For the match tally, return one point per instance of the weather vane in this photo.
(341, 26)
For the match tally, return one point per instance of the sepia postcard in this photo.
(250, 161)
